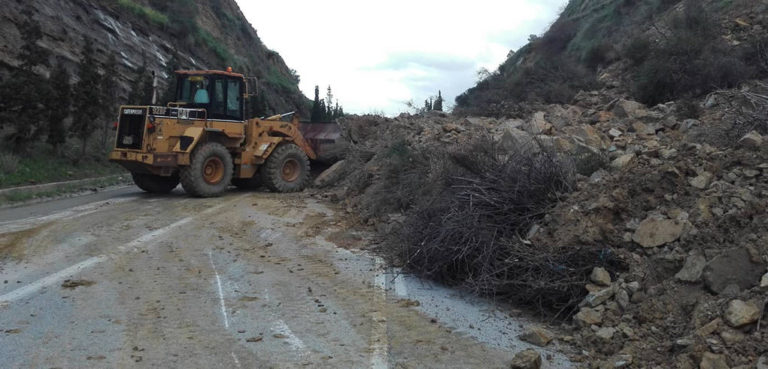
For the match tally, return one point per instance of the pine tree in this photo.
(141, 86)
(87, 98)
(109, 98)
(58, 105)
(169, 94)
(317, 111)
(438, 105)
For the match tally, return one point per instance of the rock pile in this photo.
(683, 208)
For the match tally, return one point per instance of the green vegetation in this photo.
(690, 61)
(217, 47)
(147, 13)
(15, 197)
(279, 80)
(47, 167)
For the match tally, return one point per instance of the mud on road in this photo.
(249, 280)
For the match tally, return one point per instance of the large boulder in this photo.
(733, 267)
(600, 276)
(654, 232)
(515, 139)
(331, 175)
(629, 109)
(713, 361)
(537, 336)
(539, 124)
(587, 134)
(752, 140)
(528, 359)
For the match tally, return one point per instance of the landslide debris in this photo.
(645, 232)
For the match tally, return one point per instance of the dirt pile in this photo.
(671, 212)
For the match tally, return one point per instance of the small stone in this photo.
(605, 333)
(633, 287)
(450, 127)
(712, 361)
(528, 359)
(587, 317)
(751, 173)
(622, 361)
(693, 268)
(764, 281)
(752, 140)
(709, 328)
(702, 181)
(598, 297)
(732, 337)
(622, 161)
(740, 313)
(762, 362)
(667, 154)
(537, 336)
(600, 276)
(654, 232)
(615, 133)
(622, 298)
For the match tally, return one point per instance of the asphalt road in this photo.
(123, 279)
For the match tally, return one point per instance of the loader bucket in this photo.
(322, 137)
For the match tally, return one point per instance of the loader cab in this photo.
(219, 93)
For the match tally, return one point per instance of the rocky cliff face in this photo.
(203, 34)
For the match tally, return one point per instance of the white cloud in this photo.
(377, 55)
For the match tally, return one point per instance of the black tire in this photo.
(209, 172)
(278, 177)
(247, 183)
(155, 184)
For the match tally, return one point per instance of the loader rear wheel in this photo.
(286, 169)
(209, 172)
(155, 184)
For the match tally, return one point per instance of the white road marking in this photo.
(296, 343)
(236, 360)
(379, 340)
(154, 234)
(79, 267)
(51, 279)
(221, 293)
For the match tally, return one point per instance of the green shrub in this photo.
(637, 50)
(147, 13)
(693, 60)
(9, 163)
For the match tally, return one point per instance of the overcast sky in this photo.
(377, 55)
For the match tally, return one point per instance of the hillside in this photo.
(653, 51)
(205, 34)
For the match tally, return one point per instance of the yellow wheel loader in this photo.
(203, 141)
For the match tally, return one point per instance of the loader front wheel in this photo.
(209, 172)
(286, 169)
(155, 184)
